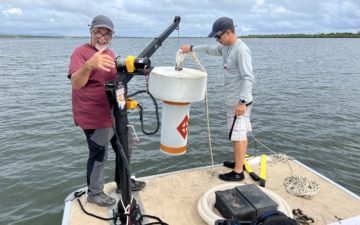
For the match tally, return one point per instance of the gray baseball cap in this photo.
(102, 21)
(221, 24)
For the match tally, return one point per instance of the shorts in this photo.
(242, 124)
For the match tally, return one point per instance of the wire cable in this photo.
(141, 112)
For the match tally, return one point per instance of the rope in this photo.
(278, 158)
(256, 140)
(301, 186)
(202, 68)
(295, 184)
(179, 61)
(197, 61)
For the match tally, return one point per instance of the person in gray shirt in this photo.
(239, 80)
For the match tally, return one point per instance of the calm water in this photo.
(307, 105)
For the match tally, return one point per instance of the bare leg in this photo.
(239, 155)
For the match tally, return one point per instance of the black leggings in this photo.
(97, 154)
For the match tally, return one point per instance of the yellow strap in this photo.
(131, 104)
(248, 167)
(263, 167)
(129, 63)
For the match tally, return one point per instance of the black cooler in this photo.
(243, 203)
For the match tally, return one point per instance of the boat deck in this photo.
(174, 196)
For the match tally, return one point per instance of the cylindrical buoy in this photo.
(177, 89)
(174, 132)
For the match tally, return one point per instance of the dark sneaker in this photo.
(101, 199)
(136, 185)
(232, 176)
(229, 164)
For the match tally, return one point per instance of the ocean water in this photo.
(306, 105)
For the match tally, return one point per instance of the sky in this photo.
(148, 18)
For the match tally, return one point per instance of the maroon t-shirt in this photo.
(90, 106)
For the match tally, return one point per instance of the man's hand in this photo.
(240, 109)
(185, 48)
(100, 61)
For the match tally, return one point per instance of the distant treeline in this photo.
(27, 36)
(318, 35)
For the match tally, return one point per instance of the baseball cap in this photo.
(221, 24)
(102, 21)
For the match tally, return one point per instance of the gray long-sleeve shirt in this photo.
(238, 71)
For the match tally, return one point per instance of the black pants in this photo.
(97, 158)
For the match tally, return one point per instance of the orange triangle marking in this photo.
(183, 126)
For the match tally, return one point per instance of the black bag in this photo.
(274, 217)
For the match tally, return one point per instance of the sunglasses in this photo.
(98, 34)
(218, 35)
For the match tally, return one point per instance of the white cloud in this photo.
(119, 3)
(12, 11)
(259, 2)
(343, 14)
(245, 28)
(150, 17)
(280, 9)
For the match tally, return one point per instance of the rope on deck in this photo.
(295, 184)
(301, 186)
(278, 158)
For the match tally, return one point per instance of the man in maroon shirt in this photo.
(91, 66)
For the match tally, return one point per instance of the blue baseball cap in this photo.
(221, 24)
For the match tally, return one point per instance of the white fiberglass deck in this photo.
(174, 196)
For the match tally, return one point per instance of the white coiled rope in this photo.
(295, 184)
(207, 201)
(301, 186)
(278, 158)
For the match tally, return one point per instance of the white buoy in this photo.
(177, 89)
